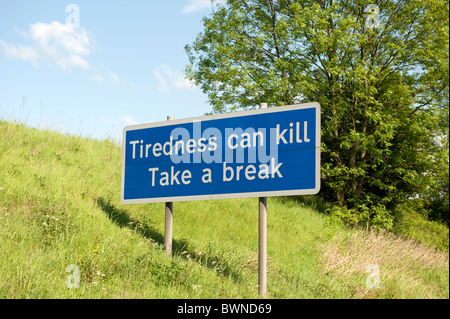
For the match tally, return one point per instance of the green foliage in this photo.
(381, 89)
(436, 193)
(413, 224)
(376, 216)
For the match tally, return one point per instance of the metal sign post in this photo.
(262, 249)
(262, 245)
(168, 228)
(168, 218)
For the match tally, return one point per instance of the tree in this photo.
(436, 193)
(380, 73)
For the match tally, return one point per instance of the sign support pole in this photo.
(262, 245)
(262, 255)
(168, 218)
(168, 228)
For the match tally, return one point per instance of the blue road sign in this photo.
(260, 153)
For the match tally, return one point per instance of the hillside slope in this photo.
(60, 211)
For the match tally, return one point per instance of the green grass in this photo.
(60, 206)
(411, 224)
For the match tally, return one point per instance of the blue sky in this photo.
(92, 72)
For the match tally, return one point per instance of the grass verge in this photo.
(60, 210)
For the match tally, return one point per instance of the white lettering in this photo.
(206, 178)
(213, 144)
(263, 168)
(297, 135)
(168, 143)
(305, 135)
(190, 146)
(280, 136)
(153, 170)
(265, 171)
(229, 141)
(157, 148)
(245, 140)
(225, 170)
(275, 169)
(134, 148)
(185, 176)
(173, 177)
(250, 170)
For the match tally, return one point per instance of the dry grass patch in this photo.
(382, 260)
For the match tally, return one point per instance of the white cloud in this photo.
(128, 120)
(55, 43)
(97, 78)
(107, 120)
(113, 77)
(106, 75)
(197, 5)
(61, 37)
(168, 77)
(20, 52)
(70, 62)
(162, 87)
(124, 120)
(61, 45)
